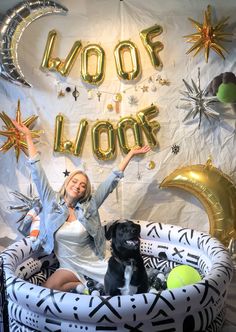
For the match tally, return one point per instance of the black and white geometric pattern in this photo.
(1, 293)
(197, 307)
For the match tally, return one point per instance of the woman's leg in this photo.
(62, 280)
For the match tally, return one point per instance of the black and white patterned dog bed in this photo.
(197, 307)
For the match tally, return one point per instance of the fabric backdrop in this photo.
(106, 22)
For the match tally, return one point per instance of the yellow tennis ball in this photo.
(182, 275)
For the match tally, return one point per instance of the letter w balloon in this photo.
(66, 146)
(215, 190)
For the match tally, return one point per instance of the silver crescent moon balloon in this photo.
(13, 24)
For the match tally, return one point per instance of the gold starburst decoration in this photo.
(16, 139)
(208, 36)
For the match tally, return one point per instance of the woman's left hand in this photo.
(133, 152)
(140, 150)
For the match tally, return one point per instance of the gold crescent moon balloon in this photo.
(12, 27)
(215, 190)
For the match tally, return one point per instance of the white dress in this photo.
(74, 251)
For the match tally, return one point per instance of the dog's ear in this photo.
(110, 230)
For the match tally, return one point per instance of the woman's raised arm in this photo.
(133, 152)
(28, 137)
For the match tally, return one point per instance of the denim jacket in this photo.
(55, 211)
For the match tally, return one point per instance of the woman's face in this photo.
(76, 187)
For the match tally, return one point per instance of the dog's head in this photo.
(125, 238)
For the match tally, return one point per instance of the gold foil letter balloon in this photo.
(215, 190)
(123, 125)
(66, 146)
(120, 49)
(55, 64)
(86, 64)
(58, 133)
(80, 137)
(153, 47)
(149, 128)
(97, 130)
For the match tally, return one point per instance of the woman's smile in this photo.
(76, 187)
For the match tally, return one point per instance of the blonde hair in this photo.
(88, 190)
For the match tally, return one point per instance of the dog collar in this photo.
(130, 261)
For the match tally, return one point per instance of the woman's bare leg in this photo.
(62, 280)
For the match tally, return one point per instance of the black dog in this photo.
(126, 273)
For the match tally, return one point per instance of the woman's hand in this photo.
(133, 152)
(28, 137)
(22, 128)
(140, 150)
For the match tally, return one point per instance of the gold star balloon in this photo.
(16, 139)
(208, 36)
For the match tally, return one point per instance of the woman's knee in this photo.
(59, 278)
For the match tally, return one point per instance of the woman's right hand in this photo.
(28, 137)
(22, 128)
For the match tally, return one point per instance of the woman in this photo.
(69, 221)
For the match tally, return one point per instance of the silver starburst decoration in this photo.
(132, 100)
(198, 103)
(27, 203)
(175, 149)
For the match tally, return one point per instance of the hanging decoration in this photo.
(122, 48)
(75, 93)
(162, 81)
(175, 149)
(99, 95)
(198, 103)
(153, 88)
(110, 107)
(12, 27)
(139, 176)
(150, 165)
(16, 139)
(153, 47)
(145, 85)
(90, 94)
(208, 36)
(144, 88)
(117, 99)
(61, 94)
(223, 87)
(86, 72)
(216, 192)
(56, 64)
(132, 100)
